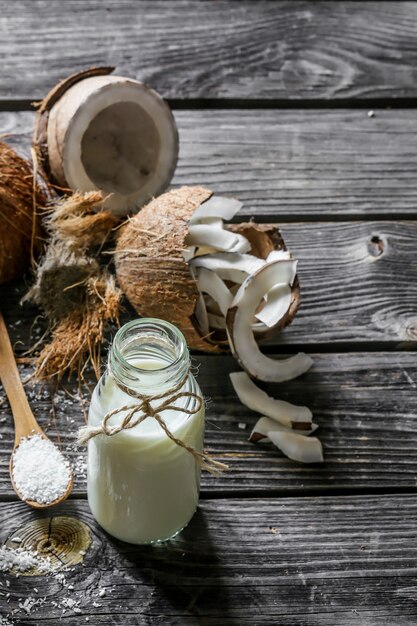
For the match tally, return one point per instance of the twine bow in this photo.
(145, 407)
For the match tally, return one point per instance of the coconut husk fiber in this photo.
(77, 295)
(78, 336)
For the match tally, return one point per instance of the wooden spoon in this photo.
(24, 420)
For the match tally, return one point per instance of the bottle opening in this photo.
(149, 353)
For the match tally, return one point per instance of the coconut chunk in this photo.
(278, 301)
(216, 206)
(298, 447)
(214, 236)
(265, 425)
(209, 282)
(281, 411)
(230, 266)
(240, 317)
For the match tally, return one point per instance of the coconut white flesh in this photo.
(209, 282)
(215, 236)
(230, 266)
(200, 312)
(115, 135)
(264, 425)
(279, 273)
(216, 206)
(241, 338)
(278, 301)
(278, 255)
(216, 322)
(297, 447)
(256, 399)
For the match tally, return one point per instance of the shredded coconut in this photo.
(40, 472)
(22, 560)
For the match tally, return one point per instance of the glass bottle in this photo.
(142, 486)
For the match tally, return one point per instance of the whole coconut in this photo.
(20, 227)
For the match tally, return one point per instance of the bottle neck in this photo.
(149, 356)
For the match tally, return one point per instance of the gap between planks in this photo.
(245, 104)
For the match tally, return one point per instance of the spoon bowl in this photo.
(25, 423)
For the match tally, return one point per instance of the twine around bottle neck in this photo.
(146, 408)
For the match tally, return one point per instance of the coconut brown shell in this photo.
(20, 231)
(149, 263)
(156, 279)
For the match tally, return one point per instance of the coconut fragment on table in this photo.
(254, 398)
(265, 425)
(298, 447)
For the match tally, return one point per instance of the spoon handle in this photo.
(24, 420)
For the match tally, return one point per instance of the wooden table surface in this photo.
(273, 102)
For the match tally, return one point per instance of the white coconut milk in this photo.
(143, 487)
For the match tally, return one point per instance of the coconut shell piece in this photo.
(20, 220)
(156, 279)
(149, 263)
(40, 132)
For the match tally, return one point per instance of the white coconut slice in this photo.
(115, 135)
(278, 255)
(230, 266)
(254, 398)
(214, 236)
(240, 317)
(216, 206)
(278, 302)
(297, 447)
(201, 315)
(216, 322)
(210, 283)
(265, 425)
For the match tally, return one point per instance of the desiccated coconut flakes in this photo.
(40, 472)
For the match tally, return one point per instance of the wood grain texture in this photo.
(315, 561)
(365, 405)
(358, 285)
(223, 49)
(283, 164)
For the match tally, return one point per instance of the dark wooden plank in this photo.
(285, 164)
(185, 49)
(365, 405)
(358, 284)
(315, 561)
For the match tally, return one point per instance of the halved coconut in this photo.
(159, 282)
(109, 133)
